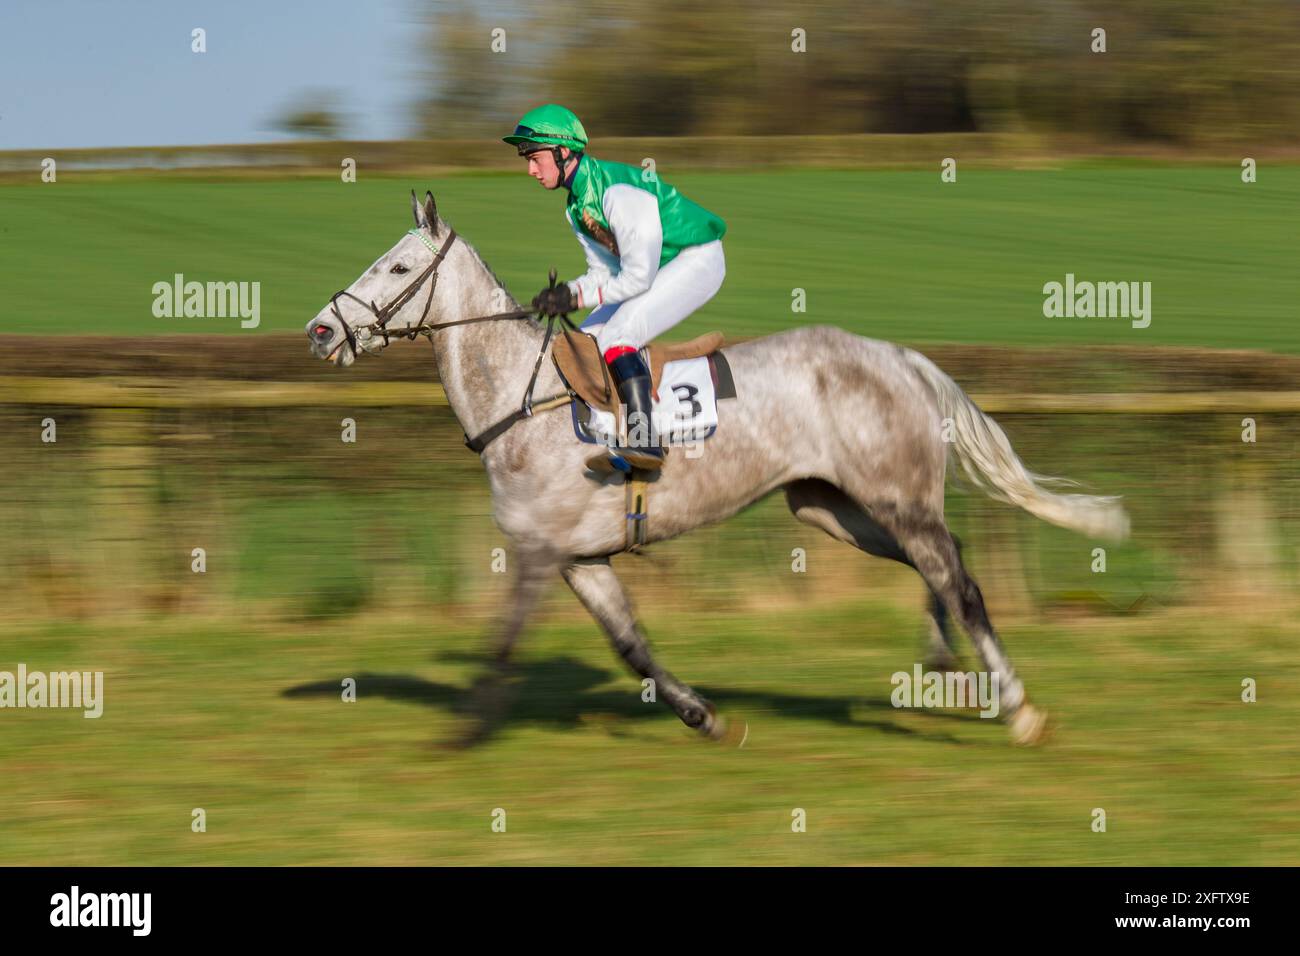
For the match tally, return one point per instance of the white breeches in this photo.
(678, 289)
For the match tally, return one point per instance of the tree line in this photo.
(1194, 72)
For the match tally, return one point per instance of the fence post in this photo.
(1248, 544)
(124, 507)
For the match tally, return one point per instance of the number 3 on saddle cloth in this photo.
(687, 379)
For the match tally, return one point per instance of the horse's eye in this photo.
(399, 269)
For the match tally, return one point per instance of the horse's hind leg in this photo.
(940, 645)
(601, 592)
(932, 550)
(822, 505)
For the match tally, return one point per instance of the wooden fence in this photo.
(135, 392)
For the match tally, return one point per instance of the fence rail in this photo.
(857, 149)
(134, 392)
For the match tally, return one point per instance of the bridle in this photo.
(385, 314)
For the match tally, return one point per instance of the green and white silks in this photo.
(630, 225)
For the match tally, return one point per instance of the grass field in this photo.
(246, 722)
(233, 703)
(893, 254)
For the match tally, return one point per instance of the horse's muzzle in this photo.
(325, 336)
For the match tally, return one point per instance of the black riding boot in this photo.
(641, 449)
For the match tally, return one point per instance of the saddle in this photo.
(577, 358)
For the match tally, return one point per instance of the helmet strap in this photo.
(559, 163)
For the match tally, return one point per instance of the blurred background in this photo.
(1178, 72)
(817, 131)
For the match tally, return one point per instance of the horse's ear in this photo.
(415, 209)
(431, 212)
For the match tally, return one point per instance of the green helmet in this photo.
(550, 125)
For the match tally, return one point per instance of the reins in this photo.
(528, 407)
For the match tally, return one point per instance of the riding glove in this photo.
(555, 301)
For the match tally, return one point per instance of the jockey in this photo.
(653, 258)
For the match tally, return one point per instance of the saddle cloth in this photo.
(687, 380)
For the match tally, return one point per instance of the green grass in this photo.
(232, 705)
(1149, 727)
(893, 254)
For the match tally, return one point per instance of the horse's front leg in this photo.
(489, 698)
(601, 592)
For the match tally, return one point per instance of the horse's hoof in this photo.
(720, 730)
(704, 720)
(715, 728)
(1027, 726)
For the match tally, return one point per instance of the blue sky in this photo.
(77, 73)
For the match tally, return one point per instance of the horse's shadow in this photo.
(563, 692)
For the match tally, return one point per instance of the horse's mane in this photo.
(532, 320)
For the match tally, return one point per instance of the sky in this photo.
(80, 73)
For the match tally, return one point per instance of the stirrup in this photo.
(609, 462)
(646, 459)
(624, 460)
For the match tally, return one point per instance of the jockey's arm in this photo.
(633, 217)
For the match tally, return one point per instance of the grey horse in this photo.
(858, 434)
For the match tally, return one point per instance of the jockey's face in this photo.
(541, 166)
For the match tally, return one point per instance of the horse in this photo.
(859, 434)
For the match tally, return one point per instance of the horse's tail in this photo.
(988, 459)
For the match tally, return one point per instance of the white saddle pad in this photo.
(685, 410)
